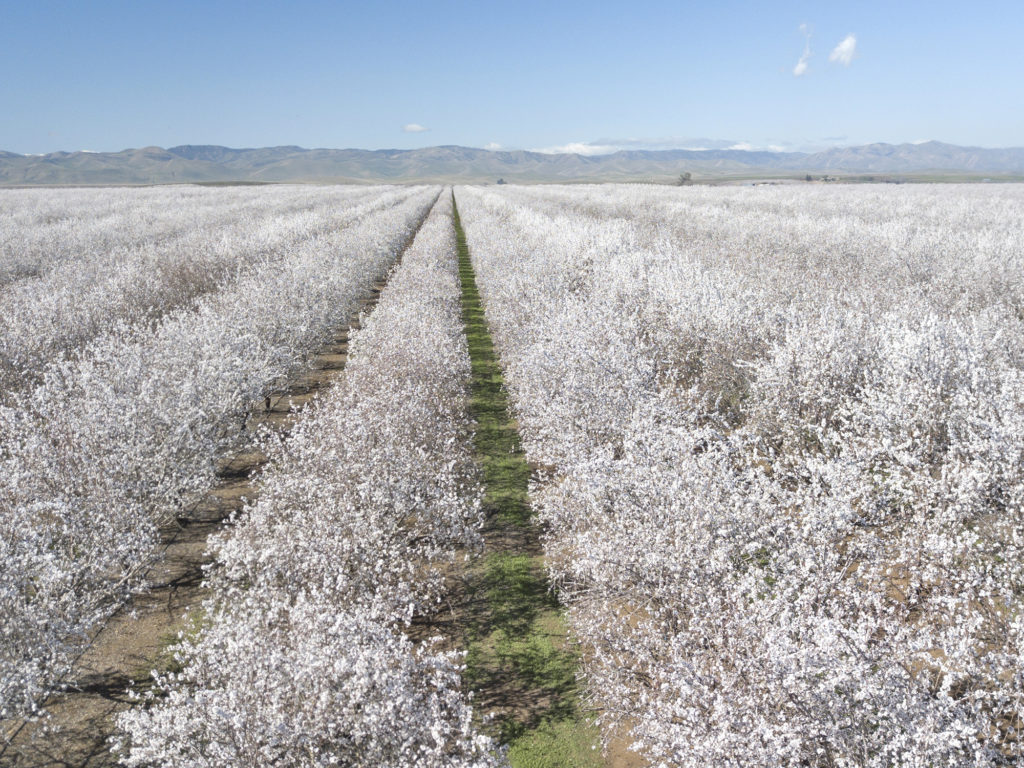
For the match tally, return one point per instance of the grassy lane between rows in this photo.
(520, 663)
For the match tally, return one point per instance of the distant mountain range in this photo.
(189, 163)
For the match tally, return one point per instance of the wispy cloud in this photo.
(845, 51)
(414, 128)
(801, 66)
(493, 146)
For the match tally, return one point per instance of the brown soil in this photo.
(136, 639)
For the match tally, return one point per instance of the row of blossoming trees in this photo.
(302, 659)
(121, 428)
(780, 443)
(91, 269)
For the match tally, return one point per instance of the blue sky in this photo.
(106, 76)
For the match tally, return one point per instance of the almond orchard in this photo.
(775, 449)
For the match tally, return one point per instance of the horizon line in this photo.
(507, 150)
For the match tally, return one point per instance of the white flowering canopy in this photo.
(783, 439)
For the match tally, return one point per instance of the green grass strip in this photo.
(520, 663)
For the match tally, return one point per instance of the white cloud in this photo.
(844, 52)
(493, 146)
(665, 142)
(578, 148)
(413, 128)
(608, 146)
(801, 65)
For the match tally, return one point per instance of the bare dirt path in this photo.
(135, 640)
